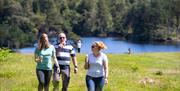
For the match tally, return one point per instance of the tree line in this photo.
(21, 21)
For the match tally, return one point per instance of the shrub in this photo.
(134, 68)
(159, 73)
(4, 54)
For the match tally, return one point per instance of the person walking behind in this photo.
(96, 64)
(79, 44)
(43, 55)
(64, 53)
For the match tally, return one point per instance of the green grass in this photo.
(17, 73)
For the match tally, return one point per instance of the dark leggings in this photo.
(44, 77)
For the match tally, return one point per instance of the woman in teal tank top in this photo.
(43, 55)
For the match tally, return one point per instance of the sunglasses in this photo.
(62, 37)
(93, 46)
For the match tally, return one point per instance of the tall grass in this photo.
(17, 73)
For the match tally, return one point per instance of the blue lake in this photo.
(118, 46)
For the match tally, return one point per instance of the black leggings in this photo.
(44, 77)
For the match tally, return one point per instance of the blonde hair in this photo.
(62, 34)
(43, 43)
(100, 45)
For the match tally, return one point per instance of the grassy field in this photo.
(17, 73)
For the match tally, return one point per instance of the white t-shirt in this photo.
(96, 67)
(79, 44)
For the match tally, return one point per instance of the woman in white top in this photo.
(97, 65)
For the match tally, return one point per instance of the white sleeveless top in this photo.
(96, 67)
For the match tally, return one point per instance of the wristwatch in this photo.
(75, 67)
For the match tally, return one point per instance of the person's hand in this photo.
(106, 81)
(38, 59)
(75, 70)
(58, 70)
(61, 45)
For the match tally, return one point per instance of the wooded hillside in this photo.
(138, 20)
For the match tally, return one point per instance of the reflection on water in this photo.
(118, 46)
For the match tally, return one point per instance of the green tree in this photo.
(86, 24)
(104, 18)
(174, 10)
(145, 18)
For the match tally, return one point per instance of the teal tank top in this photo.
(46, 55)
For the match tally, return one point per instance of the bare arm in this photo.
(36, 57)
(75, 64)
(86, 64)
(55, 61)
(105, 63)
(74, 61)
(106, 69)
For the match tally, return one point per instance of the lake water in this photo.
(118, 46)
